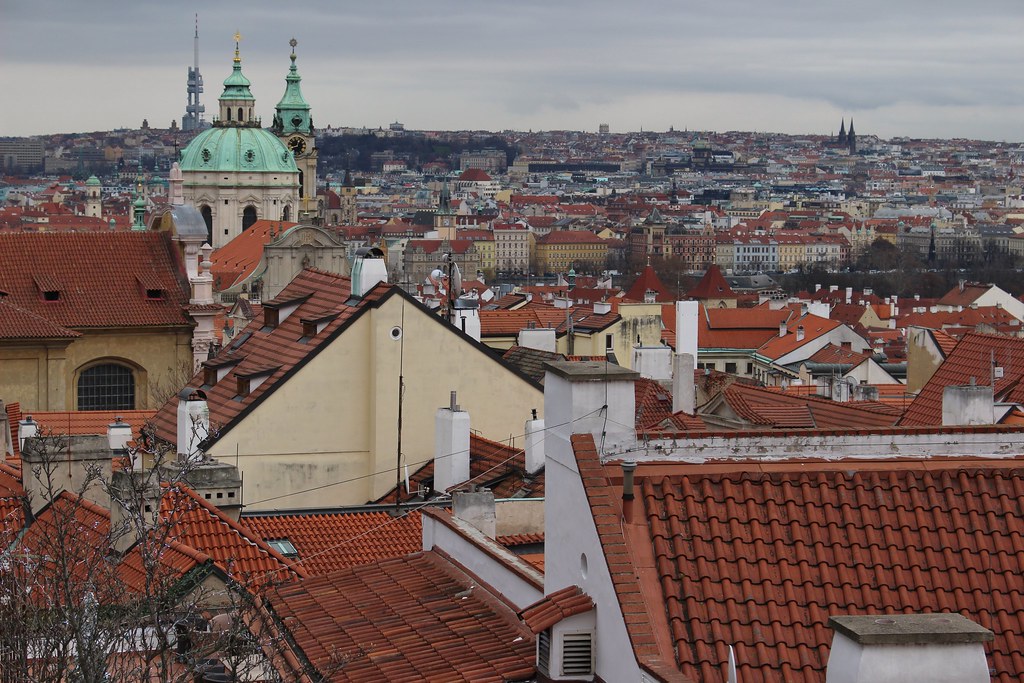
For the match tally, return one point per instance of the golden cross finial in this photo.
(238, 38)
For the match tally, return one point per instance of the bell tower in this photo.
(293, 124)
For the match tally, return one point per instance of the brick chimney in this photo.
(894, 648)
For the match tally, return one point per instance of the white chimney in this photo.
(193, 423)
(534, 450)
(894, 648)
(602, 307)
(833, 288)
(687, 320)
(967, 405)
(783, 328)
(684, 393)
(800, 333)
(849, 294)
(542, 339)
(119, 433)
(589, 397)
(562, 302)
(368, 268)
(27, 428)
(451, 446)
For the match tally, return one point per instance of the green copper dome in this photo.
(93, 181)
(224, 149)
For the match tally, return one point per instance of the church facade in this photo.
(237, 172)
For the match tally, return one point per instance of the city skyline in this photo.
(937, 69)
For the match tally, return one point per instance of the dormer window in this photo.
(248, 382)
(51, 295)
(314, 326)
(277, 311)
(154, 294)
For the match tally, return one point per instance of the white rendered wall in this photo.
(569, 531)
(851, 662)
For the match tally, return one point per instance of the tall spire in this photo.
(139, 205)
(842, 131)
(292, 112)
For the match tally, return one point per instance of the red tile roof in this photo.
(238, 259)
(648, 281)
(712, 286)
(97, 276)
(814, 327)
(18, 323)
(971, 359)
(90, 422)
(784, 410)
(492, 465)
(555, 607)
(758, 556)
(415, 618)
(238, 553)
(332, 541)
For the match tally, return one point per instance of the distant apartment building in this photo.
(513, 245)
(21, 155)
(490, 160)
(561, 250)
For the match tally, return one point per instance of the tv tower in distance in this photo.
(193, 118)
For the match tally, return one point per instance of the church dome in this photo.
(237, 149)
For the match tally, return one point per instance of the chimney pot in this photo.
(628, 472)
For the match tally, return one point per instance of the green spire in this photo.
(236, 86)
(293, 110)
(139, 209)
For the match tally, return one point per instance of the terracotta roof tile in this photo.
(758, 556)
(412, 618)
(712, 286)
(238, 553)
(555, 607)
(648, 281)
(87, 269)
(492, 465)
(332, 541)
(971, 359)
(780, 410)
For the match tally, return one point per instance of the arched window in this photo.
(108, 386)
(286, 215)
(208, 218)
(240, 114)
(248, 217)
(229, 113)
(300, 183)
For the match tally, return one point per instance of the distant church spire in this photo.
(842, 132)
(851, 138)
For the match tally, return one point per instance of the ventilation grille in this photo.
(577, 654)
(544, 650)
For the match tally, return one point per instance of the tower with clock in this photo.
(293, 124)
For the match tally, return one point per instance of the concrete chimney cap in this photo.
(904, 629)
(190, 394)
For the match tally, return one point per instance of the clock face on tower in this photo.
(297, 145)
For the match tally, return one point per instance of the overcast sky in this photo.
(922, 68)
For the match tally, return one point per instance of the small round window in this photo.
(250, 156)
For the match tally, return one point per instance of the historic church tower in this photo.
(236, 173)
(293, 124)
